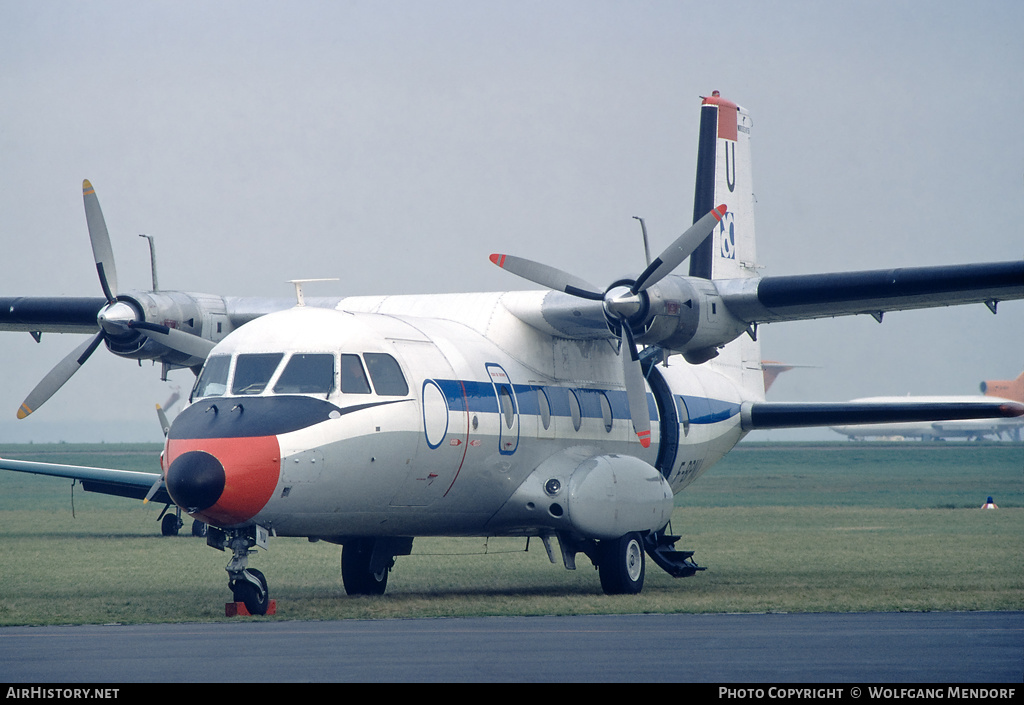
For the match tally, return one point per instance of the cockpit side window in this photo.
(387, 376)
(353, 379)
(213, 380)
(253, 372)
(307, 373)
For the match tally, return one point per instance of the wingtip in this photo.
(1012, 409)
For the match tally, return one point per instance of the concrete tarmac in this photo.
(936, 647)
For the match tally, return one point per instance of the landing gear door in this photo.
(508, 409)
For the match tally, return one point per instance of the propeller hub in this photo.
(116, 318)
(620, 303)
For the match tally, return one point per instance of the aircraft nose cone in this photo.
(195, 480)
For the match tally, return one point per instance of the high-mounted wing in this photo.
(51, 314)
(760, 416)
(121, 483)
(790, 298)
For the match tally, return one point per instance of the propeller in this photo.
(165, 425)
(115, 319)
(622, 301)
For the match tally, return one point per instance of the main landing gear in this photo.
(621, 565)
(621, 562)
(366, 562)
(170, 523)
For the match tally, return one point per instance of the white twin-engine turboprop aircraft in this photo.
(573, 414)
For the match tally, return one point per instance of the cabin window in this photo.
(253, 372)
(388, 380)
(545, 408)
(307, 373)
(684, 415)
(606, 412)
(353, 378)
(507, 407)
(213, 381)
(574, 410)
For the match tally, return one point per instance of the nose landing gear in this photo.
(247, 585)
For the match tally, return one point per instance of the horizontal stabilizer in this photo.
(120, 483)
(760, 416)
(790, 298)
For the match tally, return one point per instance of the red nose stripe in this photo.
(252, 467)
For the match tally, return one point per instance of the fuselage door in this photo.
(508, 409)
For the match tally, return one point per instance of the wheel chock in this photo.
(237, 609)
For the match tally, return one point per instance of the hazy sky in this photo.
(395, 145)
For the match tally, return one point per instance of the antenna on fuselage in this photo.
(647, 247)
(300, 300)
(152, 258)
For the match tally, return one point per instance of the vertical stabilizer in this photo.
(724, 176)
(1005, 388)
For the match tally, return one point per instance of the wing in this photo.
(759, 416)
(51, 314)
(790, 298)
(121, 483)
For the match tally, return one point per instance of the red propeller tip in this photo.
(721, 211)
(498, 259)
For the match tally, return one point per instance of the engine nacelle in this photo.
(202, 315)
(687, 315)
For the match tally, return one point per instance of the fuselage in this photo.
(375, 419)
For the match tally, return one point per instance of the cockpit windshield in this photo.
(303, 373)
(307, 374)
(213, 382)
(253, 372)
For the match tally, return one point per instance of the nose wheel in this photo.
(251, 590)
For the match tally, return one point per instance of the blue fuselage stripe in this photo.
(479, 397)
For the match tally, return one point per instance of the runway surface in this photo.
(939, 647)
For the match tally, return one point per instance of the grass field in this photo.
(780, 527)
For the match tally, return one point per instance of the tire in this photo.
(622, 565)
(255, 600)
(355, 569)
(169, 525)
(198, 528)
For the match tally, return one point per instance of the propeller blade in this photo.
(60, 374)
(679, 250)
(636, 392)
(153, 490)
(165, 425)
(548, 276)
(175, 339)
(101, 250)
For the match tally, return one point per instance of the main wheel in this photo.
(355, 569)
(170, 524)
(256, 599)
(622, 565)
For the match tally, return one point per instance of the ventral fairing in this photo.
(573, 413)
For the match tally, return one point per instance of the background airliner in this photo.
(976, 429)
